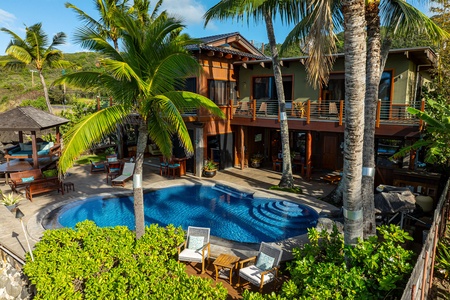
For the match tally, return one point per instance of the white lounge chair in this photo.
(127, 173)
(265, 268)
(196, 246)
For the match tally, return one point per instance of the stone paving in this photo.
(85, 184)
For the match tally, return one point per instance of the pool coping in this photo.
(36, 230)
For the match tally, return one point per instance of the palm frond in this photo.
(19, 53)
(89, 130)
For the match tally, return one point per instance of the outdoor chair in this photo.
(97, 167)
(127, 173)
(163, 165)
(172, 168)
(196, 247)
(244, 109)
(113, 170)
(263, 108)
(265, 268)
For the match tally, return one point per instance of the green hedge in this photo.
(90, 262)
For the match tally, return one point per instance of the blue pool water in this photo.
(230, 214)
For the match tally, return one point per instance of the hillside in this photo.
(23, 84)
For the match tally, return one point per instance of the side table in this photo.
(68, 186)
(226, 261)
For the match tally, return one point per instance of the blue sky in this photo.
(55, 17)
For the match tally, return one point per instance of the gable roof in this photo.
(230, 43)
(28, 118)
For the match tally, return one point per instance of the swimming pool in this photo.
(231, 214)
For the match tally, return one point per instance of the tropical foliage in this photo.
(327, 269)
(35, 51)
(90, 262)
(142, 79)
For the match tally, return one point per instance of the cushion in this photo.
(27, 179)
(21, 146)
(111, 159)
(195, 242)
(114, 169)
(46, 146)
(126, 174)
(26, 147)
(50, 173)
(264, 261)
(99, 166)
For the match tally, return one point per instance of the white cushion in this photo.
(196, 242)
(253, 275)
(264, 262)
(192, 255)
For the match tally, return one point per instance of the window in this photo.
(384, 93)
(264, 88)
(221, 91)
(190, 85)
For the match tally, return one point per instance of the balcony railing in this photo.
(317, 110)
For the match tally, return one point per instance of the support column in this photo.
(242, 146)
(199, 151)
(308, 155)
(34, 148)
(412, 159)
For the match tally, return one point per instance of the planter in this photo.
(11, 207)
(209, 173)
(256, 164)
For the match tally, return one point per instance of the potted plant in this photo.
(256, 160)
(209, 168)
(110, 153)
(10, 200)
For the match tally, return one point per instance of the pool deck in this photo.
(259, 180)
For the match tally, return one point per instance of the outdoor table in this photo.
(226, 261)
(15, 165)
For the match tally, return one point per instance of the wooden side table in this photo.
(226, 261)
(68, 186)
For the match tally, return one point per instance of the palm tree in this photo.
(266, 10)
(35, 51)
(142, 79)
(316, 31)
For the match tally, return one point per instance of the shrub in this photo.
(39, 103)
(327, 269)
(90, 262)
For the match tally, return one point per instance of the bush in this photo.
(90, 262)
(39, 103)
(327, 269)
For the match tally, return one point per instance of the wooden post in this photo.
(436, 229)
(308, 111)
(58, 135)
(98, 103)
(422, 108)
(412, 158)
(231, 109)
(242, 146)
(34, 150)
(21, 136)
(110, 101)
(377, 121)
(424, 276)
(308, 155)
(341, 111)
(253, 108)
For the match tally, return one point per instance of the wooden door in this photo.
(330, 152)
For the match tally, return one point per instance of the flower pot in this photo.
(209, 173)
(256, 164)
(11, 207)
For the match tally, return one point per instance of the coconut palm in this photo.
(316, 31)
(36, 52)
(266, 10)
(142, 78)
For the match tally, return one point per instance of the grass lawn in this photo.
(86, 159)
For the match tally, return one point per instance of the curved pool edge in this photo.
(36, 230)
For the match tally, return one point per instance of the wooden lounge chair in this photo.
(196, 246)
(265, 267)
(127, 173)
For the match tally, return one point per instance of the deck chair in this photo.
(244, 109)
(265, 267)
(97, 167)
(127, 173)
(263, 108)
(196, 247)
(332, 108)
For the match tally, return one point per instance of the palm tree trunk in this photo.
(372, 83)
(355, 79)
(287, 179)
(137, 189)
(44, 86)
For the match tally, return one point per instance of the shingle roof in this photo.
(213, 38)
(28, 118)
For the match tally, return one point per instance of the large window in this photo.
(190, 85)
(264, 88)
(221, 91)
(384, 93)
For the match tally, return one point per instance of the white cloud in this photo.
(190, 11)
(6, 19)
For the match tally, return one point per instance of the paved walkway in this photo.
(12, 236)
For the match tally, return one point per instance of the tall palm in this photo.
(264, 9)
(142, 79)
(35, 51)
(316, 31)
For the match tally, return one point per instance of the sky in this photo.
(55, 17)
